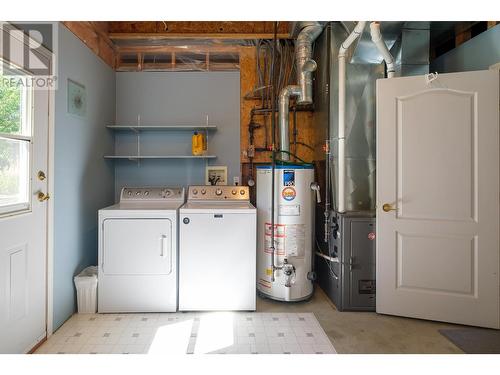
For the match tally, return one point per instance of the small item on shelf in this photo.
(204, 138)
(197, 144)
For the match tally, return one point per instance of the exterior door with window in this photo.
(24, 114)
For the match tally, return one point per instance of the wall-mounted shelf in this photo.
(136, 157)
(138, 128)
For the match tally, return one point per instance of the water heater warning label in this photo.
(279, 239)
(295, 240)
(289, 239)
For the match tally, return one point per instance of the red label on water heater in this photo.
(371, 236)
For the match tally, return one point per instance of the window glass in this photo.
(15, 142)
(14, 175)
(14, 106)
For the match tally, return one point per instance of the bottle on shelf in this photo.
(197, 144)
(204, 141)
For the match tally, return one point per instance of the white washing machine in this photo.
(217, 251)
(138, 251)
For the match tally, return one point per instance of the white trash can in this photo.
(86, 290)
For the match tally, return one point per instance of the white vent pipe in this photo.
(305, 66)
(381, 46)
(358, 29)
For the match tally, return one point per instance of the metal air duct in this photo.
(305, 66)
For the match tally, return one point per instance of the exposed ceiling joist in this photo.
(191, 49)
(194, 27)
(202, 36)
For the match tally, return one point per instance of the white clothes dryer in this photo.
(138, 251)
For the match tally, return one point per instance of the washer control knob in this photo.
(146, 193)
(242, 192)
(218, 192)
(195, 191)
(137, 193)
(203, 191)
(233, 191)
(129, 193)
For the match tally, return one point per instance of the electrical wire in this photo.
(305, 145)
(285, 162)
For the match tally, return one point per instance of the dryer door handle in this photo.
(166, 251)
(164, 245)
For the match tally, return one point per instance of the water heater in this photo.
(293, 232)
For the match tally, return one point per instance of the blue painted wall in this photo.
(176, 98)
(84, 182)
(479, 53)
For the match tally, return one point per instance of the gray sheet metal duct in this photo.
(284, 109)
(409, 44)
(360, 149)
(411, 50)
(305, 66)
(360, 132)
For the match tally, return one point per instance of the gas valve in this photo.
(289, 272)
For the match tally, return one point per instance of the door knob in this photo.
(388, 207)
(41, 175)
(42, 197)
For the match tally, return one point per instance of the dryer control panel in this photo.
(151, 194)
(218, 193)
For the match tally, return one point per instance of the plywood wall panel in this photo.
(248, 78)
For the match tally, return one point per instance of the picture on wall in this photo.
(77, 98)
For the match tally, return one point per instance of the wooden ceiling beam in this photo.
(202, 36)
(95, 37)
(198, 27)
(179, 49)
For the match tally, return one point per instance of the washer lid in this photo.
(205, 207)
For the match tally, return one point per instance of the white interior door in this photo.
(23, 218)
(438, 171)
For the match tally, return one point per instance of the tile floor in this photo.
(190, 333)
(350, 332)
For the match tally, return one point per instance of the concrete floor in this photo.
(368, 332)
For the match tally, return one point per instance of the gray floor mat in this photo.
(474, 340)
